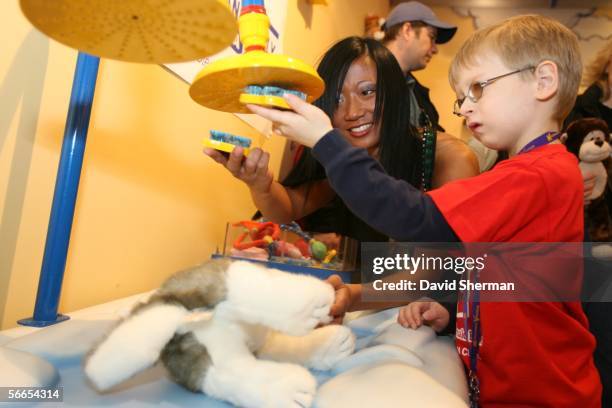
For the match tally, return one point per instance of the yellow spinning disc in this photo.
(264, 100)
(219, 85)
(155, 31)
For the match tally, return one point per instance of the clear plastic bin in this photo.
(288, 244)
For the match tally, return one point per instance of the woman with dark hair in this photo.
(390, 137)
(365, 99)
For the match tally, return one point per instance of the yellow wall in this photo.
(150, 202)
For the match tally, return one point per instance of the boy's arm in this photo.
(391, 206)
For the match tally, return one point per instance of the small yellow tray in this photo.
(223, 146)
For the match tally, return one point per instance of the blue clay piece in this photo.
(272, 91)
(229, 138)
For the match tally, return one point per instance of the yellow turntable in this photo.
(152, 31)
(222, 85)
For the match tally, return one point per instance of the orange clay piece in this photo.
(260, 233)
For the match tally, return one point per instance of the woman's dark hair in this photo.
(399, 145)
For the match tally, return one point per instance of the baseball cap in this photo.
(415, 11)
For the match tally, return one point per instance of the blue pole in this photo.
(64, 198)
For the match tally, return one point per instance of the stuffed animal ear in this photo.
(134, 345)
(563, 138)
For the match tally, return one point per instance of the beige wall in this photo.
(149, 202)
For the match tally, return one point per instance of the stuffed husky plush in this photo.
(217, 329)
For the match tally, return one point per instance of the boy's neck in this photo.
(533, 132)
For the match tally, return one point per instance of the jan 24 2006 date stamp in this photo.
(31, 394)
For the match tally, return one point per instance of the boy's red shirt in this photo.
(532, 354)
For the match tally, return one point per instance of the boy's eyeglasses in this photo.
(475, 90)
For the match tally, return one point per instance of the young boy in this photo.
(515, 82)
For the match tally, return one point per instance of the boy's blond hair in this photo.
(525, 41)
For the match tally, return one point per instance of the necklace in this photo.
(471, 302)
(428, 154)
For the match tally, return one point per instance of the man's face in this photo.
(421, 47)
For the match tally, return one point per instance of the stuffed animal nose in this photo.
(599, 143)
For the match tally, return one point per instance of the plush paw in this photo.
(289, 386)
(335, 343)
(265, 384)
(290, 303)
(306, 306)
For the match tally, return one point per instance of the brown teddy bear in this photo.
(589, 140)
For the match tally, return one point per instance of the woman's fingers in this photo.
(262, 165)
(335, 281)
(341, 296)
(250, 163)
(215, 155)
(234, 162)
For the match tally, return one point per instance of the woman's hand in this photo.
(252, 170)
(430, 313)
(306, 124)
(342, 301)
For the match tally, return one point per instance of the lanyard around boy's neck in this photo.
(544, 139)
(472, 309)
(471, 303)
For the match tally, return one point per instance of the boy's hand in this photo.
(252, 170)
(306, 124)
(342, 299)
(430, 313)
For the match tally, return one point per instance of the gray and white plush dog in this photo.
(236, 331)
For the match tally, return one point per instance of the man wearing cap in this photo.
(412, 31)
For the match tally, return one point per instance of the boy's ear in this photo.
(547, 80)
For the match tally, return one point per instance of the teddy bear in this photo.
(372, 27)
(589, 140)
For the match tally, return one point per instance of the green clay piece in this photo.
(318, 249)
